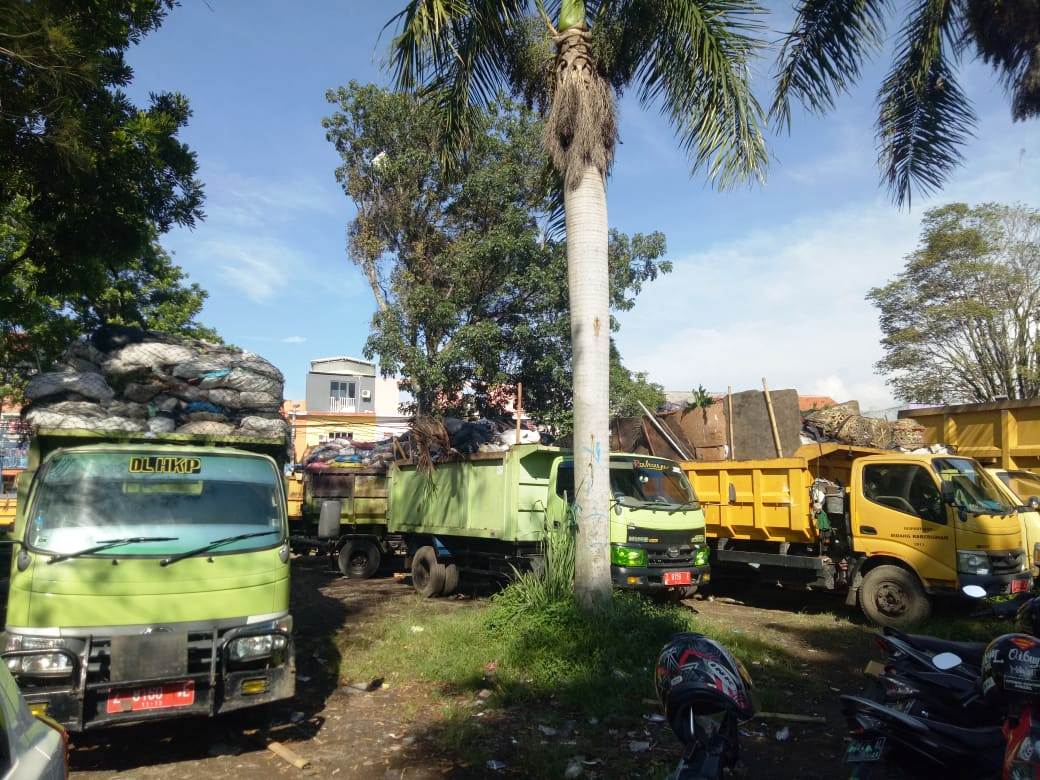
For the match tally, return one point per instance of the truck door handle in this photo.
(868, 530)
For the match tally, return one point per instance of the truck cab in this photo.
(1023, 489)
(151, 579)
(656, 523)
(939, 517)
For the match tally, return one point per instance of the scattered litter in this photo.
(297, 717)
(783, 734)
(495, 765)
(408, 741)
(655, 717)
(621, 675)
(288, 755)
(303, 678)
(480, 714)
(484, 694)
(548, 731)
(638, 746)
(791, 717)
(365, 687)
(575, 768)
(593, 721)
(416, 629)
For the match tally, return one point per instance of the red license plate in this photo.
(676, 578)
(153, 697)
(1019, 586)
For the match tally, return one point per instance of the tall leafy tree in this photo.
(924, 117)
(961, 322)
(470, 292)
(87, 179)
(689, 58)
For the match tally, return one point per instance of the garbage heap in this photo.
(844, 423)
(346, 453)
(125, 379)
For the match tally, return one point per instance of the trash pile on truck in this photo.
(126, 379)
(427, 438)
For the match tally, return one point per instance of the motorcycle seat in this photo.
(983, 738)
(969, 652)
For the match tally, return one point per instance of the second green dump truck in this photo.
(489, 513)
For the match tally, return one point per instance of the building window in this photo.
(343, 390)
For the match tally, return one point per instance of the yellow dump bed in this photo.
(1001, 433)
(768, 500)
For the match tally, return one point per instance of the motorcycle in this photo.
(1009, 681)
(705, 692)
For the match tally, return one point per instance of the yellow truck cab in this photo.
(892, 530)
(1023, 488)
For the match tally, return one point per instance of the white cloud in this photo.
(294, 340)
(788, 302)
(255, 267)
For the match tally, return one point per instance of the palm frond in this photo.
(1007, 37)
(454, 51)
(924, 116)
(821, 57)
(698, 66)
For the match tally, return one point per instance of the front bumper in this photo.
(997, 584)
(649, 578)
(79, 702)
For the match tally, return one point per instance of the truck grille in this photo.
(670, 556)
(1007, 563)
(201, 648)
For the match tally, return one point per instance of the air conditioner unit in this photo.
(366, 395)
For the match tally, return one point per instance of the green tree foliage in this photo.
(628, 389)
(470, 291)
(961, 322)
(87, 180)
(924, 118)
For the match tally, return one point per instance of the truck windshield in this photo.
(972, 489)
(637, 481)
(85, 498)
(1023, 484)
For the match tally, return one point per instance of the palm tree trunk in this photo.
(588, 281)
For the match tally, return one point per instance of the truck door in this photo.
(900, 512)
(561, 491)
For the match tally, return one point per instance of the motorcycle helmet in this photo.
(1027, 619)
(1010, 667)
(697, 675)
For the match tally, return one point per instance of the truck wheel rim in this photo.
(358, 561)
(891, 599)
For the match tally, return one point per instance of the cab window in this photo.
(565, 481)
(905, 487)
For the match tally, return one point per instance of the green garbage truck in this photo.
(488, 514)
(150, 577)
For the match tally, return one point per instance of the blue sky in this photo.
(769, 280)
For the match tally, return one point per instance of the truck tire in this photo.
(427, 573)
(451, 579)
(892, 596)
(359, 559)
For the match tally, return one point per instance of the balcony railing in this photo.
(342, 405)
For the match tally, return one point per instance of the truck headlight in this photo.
(43, 664)
(700, 558)
(627, 556)
(972, 562)
(252, 648)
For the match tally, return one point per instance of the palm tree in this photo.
(690, 58)
(924, 118)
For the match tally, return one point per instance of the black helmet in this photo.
(1027, 619)
(698, 674)
(1011, 666)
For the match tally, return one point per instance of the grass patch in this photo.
(598, 665)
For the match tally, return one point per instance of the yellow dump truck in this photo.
(891, 530)
(1002, 433)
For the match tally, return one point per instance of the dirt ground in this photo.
(398, 731)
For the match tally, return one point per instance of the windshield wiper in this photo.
(213, 545)
(108, 544)
(685, 505)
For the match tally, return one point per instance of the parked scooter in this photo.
(705, 693)
(1009, 683)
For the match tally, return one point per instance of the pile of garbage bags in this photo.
(844, 423)
(346, 453)
(125, 379)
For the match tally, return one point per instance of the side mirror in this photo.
(948, 493)
(617, 508)
(946, 661)
(974, 591)
(1033, 503)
